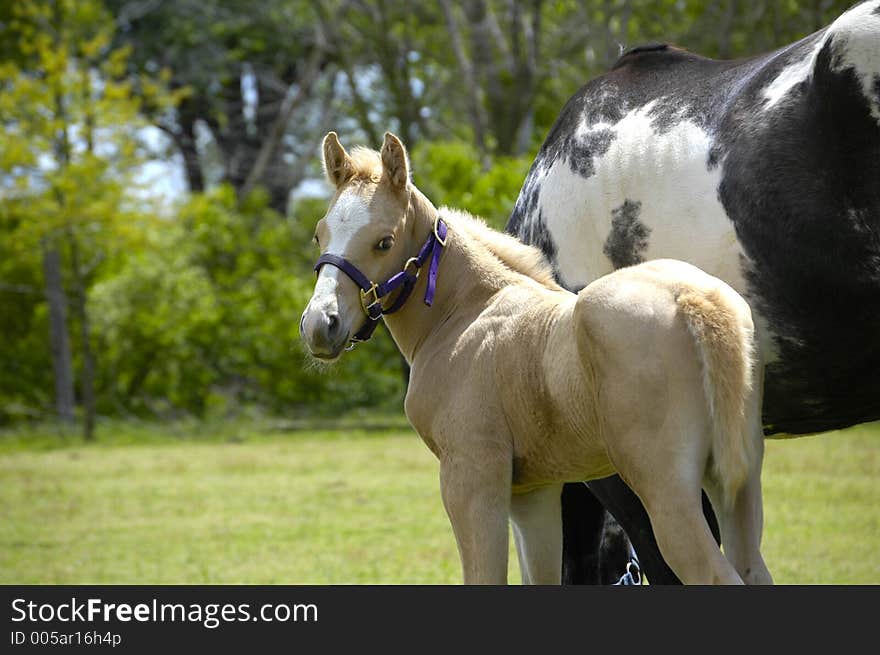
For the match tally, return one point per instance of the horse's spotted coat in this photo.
(763, 172)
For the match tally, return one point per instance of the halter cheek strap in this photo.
(405, 280)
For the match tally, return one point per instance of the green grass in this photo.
(286, 504)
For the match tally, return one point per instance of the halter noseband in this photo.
(372, 293)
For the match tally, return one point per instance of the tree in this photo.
(254, 78)
(506, 75)
(70, 146)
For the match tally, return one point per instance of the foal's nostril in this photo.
(332, 324)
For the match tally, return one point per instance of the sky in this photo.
(164, 179)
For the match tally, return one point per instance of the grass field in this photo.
(237, 504)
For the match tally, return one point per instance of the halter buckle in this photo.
(374, 289)
(442, 242)
(414, 262)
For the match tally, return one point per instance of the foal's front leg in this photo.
(537, 529)
(476, 493)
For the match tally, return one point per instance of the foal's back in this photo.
(622, 357)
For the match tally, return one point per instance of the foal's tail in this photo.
(727, 349)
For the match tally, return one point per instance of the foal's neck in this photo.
(458, 283)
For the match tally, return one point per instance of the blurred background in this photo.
(160, 173)
(159, 183)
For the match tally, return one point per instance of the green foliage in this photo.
(196, 313)
(69, 149)
(149, 321)
(205, 319)
(25, 365)
(70, 141)
(203, 43)
(449, 173)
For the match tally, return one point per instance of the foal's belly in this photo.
(543, 393)
(555, 457)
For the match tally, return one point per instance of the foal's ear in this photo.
(394, 161)
(337, 163)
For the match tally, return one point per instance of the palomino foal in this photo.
(518, 385)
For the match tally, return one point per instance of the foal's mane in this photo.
(509, 251)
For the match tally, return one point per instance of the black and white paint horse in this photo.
(764, 172)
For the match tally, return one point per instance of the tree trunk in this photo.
(393, 60)
(472, 90)
(272, 140)
(58, 332)
(498, 103)
(360, 106)
(59, 342)
(88, 374)
(527, 75)
(186, 142)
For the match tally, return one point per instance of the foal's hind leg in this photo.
(626, 507)
(684, 537)
(666, 469)
(537, 528)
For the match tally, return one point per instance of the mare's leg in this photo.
(476, 493)
(583, 521)
(595, 547)
(537, 528)
(615, 551)
(626, 507)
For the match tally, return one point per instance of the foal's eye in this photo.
(385, 244)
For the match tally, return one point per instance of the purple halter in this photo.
(372, 293)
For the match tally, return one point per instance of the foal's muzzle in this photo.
(324, 333)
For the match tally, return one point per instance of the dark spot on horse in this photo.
(526, 222)
(628, 237)
(581, 151)
(538, 235)
(530, 200)
(526, 203)
(808, 225)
